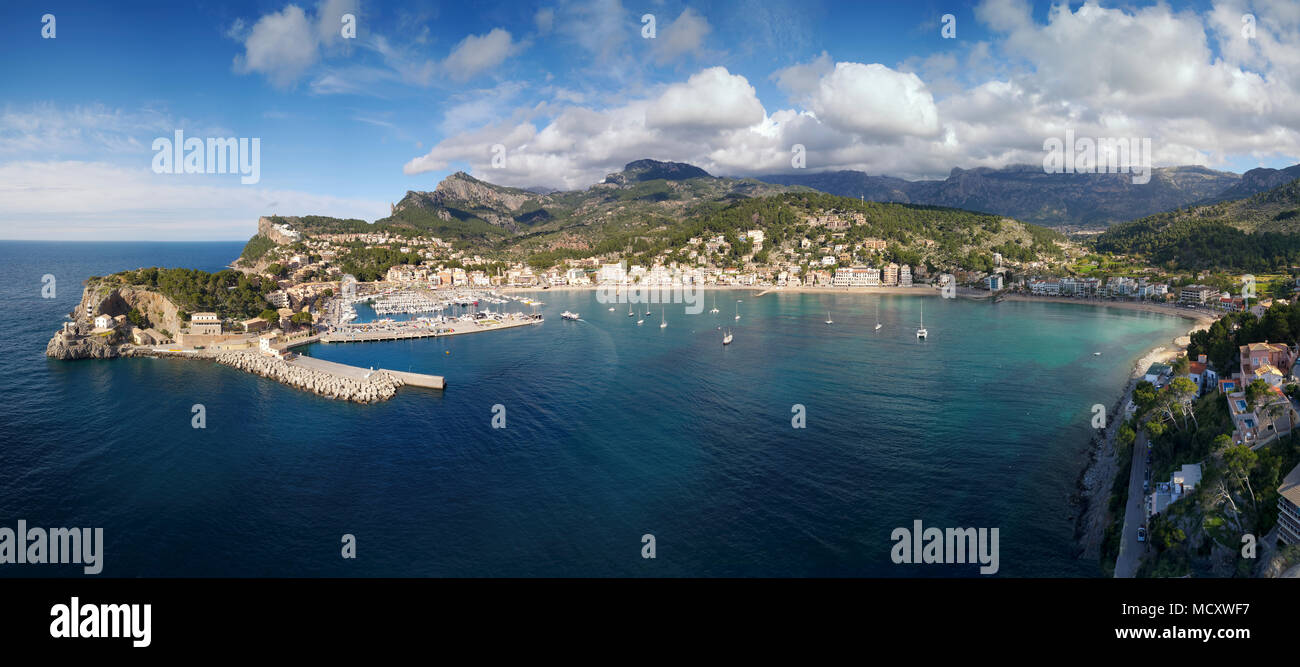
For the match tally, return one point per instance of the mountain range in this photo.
(1026, 192)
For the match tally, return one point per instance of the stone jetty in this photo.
(379, 385)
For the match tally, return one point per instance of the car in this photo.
(1146, 486)
(1142, 533)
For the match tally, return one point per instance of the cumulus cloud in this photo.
(712, 99)
(875, 100)
(280, 46)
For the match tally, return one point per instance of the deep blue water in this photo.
(613, 431)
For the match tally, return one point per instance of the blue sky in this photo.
(571, 90)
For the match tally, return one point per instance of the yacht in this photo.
(828, 318)
(877, 316)
(726, 340)
(715, 304)
(921, 333)
(664, 323)
(737, 309)
(569, 316)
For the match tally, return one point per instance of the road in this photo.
(1130, 550)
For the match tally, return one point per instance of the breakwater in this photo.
(374, 386)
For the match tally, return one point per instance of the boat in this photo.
(664, 322)
(828, 318)
(737, 309)
(611, 309)
(640, 322)
(629, 310)
(715, 304)
(569, 316)
(1096, 354)
(921, 333)
(726, 340)
(877, 316)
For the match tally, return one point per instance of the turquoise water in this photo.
(612, 431)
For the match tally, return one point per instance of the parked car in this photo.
(1142, 533)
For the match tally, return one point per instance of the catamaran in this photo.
(726, 340)
(922, 333)
(828, 318)
(715, 304)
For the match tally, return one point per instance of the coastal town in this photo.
(310, 285)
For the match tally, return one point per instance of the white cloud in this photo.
(280, 46)
(545, 20)
(683, 35)
(95, 200)
(478, 53)
(712, 99)
(283, 45)
(875, 100)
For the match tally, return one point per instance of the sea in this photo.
(568, 449)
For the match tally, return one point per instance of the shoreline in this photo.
(1090, 500)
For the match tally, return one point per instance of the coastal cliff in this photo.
(78, 339)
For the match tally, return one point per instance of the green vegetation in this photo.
(372, 263)
(228, 293)
(256, 248)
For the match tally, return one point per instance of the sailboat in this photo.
(877, 316)
(629, 309)
(922, 333)
(737, 309)
(726, 340)
(828, 318)
(715, 304)
(663, 323)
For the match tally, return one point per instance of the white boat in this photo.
(737, 309)
(922, 333)
(877, 316)
(664, 323)
(726, 340)
(569, 316)
(611, 309)
(629, 310)
(715, 304)
(828, 318)
(640, 322)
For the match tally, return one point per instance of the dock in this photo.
(411, 332)
(361, 374)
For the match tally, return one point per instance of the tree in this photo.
(1239, 460)
(137, 318)
(270, 315)
(1180, 365)
(301, 317)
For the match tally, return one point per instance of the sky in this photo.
(559, 93)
